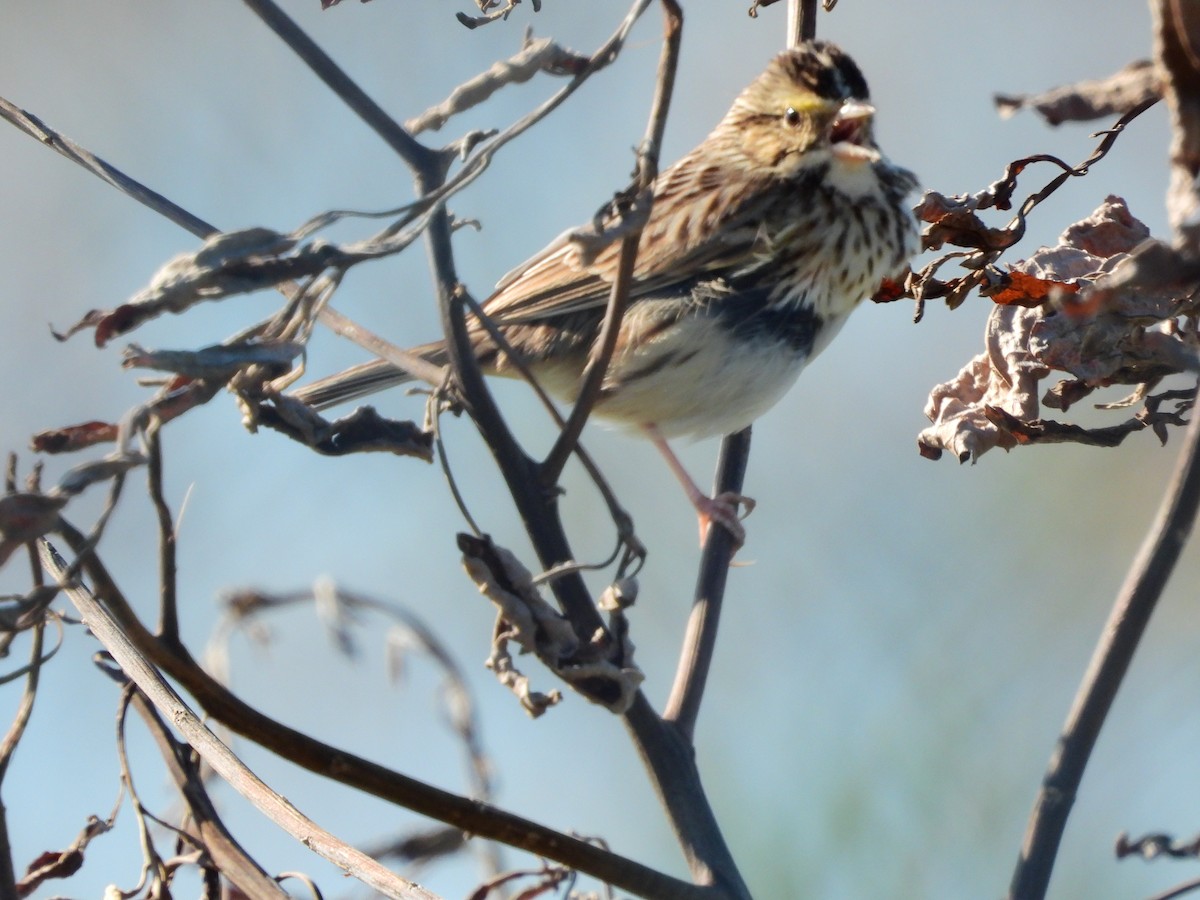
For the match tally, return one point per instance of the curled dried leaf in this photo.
(600, 668)
(1086, 100)
(1069, 309)
(25, 517)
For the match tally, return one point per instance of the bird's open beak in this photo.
(850, 130)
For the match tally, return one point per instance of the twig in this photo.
(35, 128)
(619, 516)
(801, 21)
(214, 752)
(1178, 891)
(168, 618)
(207, 829)
(415, 154)
(541, 55)
(155, 880)
(683, 705)
(331, 762)
(8, 879)
(1126, 623)
(642, 201)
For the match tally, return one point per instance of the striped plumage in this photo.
(759, 244)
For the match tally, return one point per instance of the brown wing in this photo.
(703, 219)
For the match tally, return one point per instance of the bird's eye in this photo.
(791, 116)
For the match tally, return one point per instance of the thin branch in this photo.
(1126, 623)
(36, 128)
(215, 753)
(541, 55)
(1178, 891)
(8, 878)
(537, 506)
(207, 829)
(334, 763)
(683, 705)
(801, 21)
(643, 200)
(168, 617)
(416, 155)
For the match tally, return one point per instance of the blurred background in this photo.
(904, 637)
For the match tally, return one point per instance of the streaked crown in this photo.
(807, 97)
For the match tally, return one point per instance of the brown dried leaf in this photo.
(51, 864)
(76, 480)
(952, 220)
(74, 437)
(1086, 100)
(1005, 376)
(223, 265)
(1099, 335)
(219, 361)
(1023, 289)
(25, 517)
(362, 431)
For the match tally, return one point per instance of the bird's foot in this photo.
(727, 510)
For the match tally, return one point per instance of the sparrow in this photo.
(759, 244)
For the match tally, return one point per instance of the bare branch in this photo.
(541, 55)
(215, 753)
(465, 813)
(1127, 622)
(699, 643)
(37, 129)
(1177, 29)
(417, 156)
(635, 214)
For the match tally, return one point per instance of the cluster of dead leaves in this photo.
(1070, 308)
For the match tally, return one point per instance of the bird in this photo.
(759, 244)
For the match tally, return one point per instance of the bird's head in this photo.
(810, 98)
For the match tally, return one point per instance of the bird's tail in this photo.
(364, 379)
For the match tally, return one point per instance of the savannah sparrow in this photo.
(760, 243)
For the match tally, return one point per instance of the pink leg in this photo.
(722, 509)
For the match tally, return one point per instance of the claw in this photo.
(725, 510)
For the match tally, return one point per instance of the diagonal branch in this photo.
(1126, 623)
(472, 816)
(139, 669)
(699, 643)
(643, 200)
(415, 154)
(1177, 26)
(37, 129)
